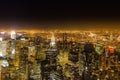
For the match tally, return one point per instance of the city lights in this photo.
(52, 43)
(13, 35)
(3, 33)
(1, 55)
(91, 34)
(1, 39)
(59, 40)
(23, 39)
(5, 63)
(66, 54)
(13, 51)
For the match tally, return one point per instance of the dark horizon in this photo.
(53, 14)
(46, 10)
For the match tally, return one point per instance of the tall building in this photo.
(74, 53)
(64, 40)
(50, 64)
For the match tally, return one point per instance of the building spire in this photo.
(52, 43)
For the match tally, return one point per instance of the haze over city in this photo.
(46, 15)
(89, 24)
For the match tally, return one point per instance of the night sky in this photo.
(45, 14)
